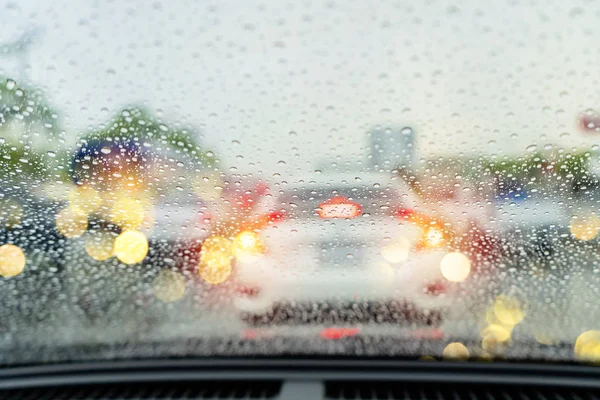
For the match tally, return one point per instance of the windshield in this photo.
(398, 178)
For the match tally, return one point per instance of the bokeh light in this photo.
(86, 199)
(215, 259)
(508, 310)
(214, 273)
(499, 333)
(587, 346)
(100, 245)
(434, 237)
(544, 338)
(585, 227)
(216, 251)
(127, 213)
(131, 247)
(168, 286)
(456, 351)
(12, 260)
(247, 246)
(455, 267)
(397, 251)
(71, 222)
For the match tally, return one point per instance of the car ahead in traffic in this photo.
(351, 249)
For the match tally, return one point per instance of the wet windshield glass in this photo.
(416, 179)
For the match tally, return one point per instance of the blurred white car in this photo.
(351, 249)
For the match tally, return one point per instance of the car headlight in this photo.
(434, 237)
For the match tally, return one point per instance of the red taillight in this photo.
(436, 288)
(338, 333)
(275, 216)
(404, 213)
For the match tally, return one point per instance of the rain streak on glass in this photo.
(330, 178)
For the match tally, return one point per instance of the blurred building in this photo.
(392, 148)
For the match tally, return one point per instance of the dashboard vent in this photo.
(154, 391)
(336, 390)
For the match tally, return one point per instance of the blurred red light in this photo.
(404, 213)
(338, 333)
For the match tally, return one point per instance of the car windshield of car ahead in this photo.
(398, 178)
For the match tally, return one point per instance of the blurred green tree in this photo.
(31, 141)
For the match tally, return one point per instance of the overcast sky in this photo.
(470, 76)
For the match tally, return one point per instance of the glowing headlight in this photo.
(434, 237)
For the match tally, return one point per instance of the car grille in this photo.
(331, 313)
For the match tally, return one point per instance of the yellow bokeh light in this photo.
(214, 273)
(434, 237)
(492, 345)
(71, 222)
(11, 213)
(544, 338)
(247, 246)
(12, 260)
(131, 247)
(215, 259)
(84, 198)
(397, 251)
(508, 310)
(216, 250)
(128, 213)
(168, 286)
(456, 351)
(585, 227)
(455, 267)
(587, 346)
(499, 333)
(100, 245)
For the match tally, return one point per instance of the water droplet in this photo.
(105, 150)
(531, 148)
(210, 154)
(293, 133)
(10, 84)
(406, 131)
(51, 154)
